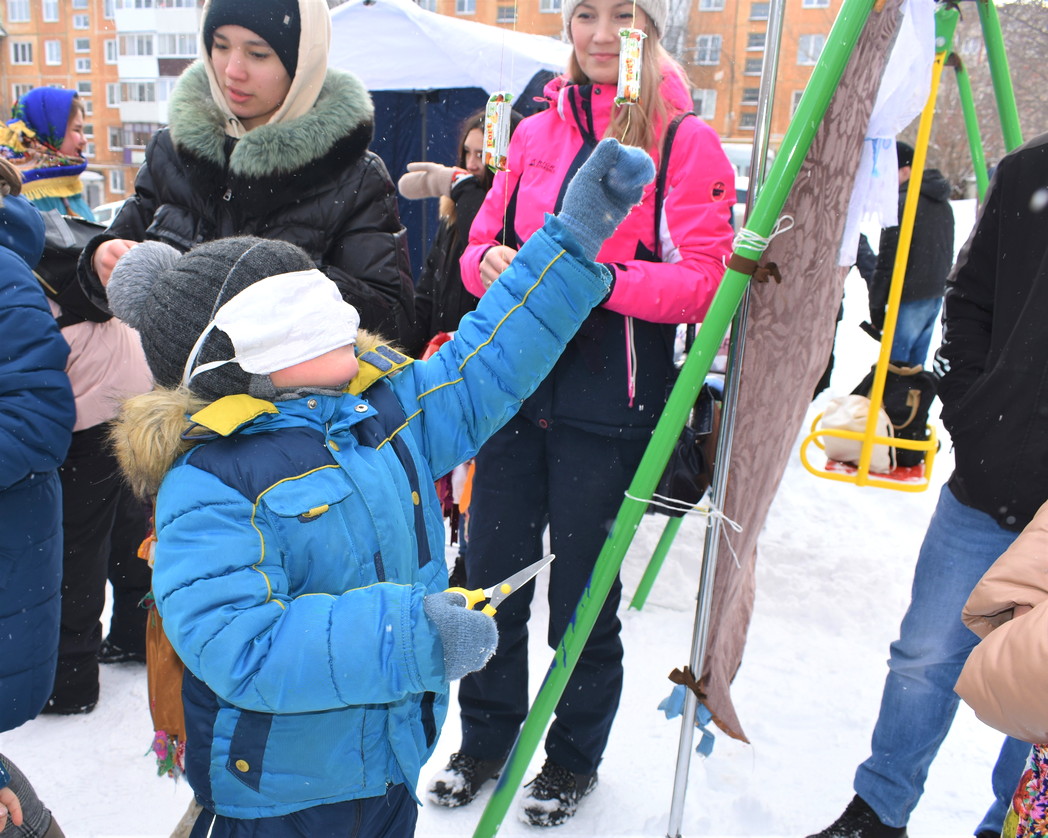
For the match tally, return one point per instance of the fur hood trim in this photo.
(198, 126)
(147, 436)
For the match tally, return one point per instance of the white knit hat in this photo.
(656, 10)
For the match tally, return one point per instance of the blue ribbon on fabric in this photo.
(673, 706)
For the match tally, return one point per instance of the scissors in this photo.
(496, 593)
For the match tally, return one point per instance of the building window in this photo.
(83, 65)
(505, 14)
(141, 91)
(21, 52)
(759, 11)
(809, 48)
(80, 4)
(549, 6)
(111, 51)
(19, 90)
(140, 45)
(747, 120)
(116, 138)
(82, 45)
(138, 135)
(83, 88)
(89, 130)
(705, 101)
(89, 150)
(182, 45)
(108, 10)
(113, 95)
(815, 4)
(465, 7)
(116, 181)
(81, 22)
(750, 96)
(795, 100)
(50, 8)
(428, 5)
(755, 40)
(753, 66)
(52, 52)
(711, 5)
(89, 108)
(18, 11)
(707, 49)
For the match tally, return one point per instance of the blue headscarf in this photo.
(46, 111)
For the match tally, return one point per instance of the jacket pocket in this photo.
(248, 747)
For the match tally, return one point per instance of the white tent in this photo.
(427, 73)
(397, 45)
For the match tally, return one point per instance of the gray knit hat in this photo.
(170, 298)
(657, 10)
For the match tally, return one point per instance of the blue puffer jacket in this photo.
(36, 423)
(295, 548)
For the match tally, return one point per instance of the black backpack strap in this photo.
(664, 167)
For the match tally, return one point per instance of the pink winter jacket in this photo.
(1005, 679)
(696, 230)
(106, 365)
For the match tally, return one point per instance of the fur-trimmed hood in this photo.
(343, 110)
(151, 431)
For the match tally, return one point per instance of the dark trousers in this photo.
(572, 480)
(103, 526)
(392, 816)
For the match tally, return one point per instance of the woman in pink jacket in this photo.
(1005, 679)
(569, 455)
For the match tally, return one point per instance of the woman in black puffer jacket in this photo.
(267, 141)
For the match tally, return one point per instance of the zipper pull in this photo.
(228, 196)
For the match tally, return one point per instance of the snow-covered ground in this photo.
(834, 571)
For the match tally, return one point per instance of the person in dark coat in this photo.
(271, 143)
(441, 300)
(36, 422)
(927, 265)
(993, 362)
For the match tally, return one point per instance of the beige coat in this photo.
(1005, 679)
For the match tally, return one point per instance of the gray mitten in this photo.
(603, 191)
(469, 637)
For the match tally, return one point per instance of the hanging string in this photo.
(705, 508)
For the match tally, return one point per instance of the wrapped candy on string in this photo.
(496, 131)
(630, 53)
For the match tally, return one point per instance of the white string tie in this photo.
(751, 240)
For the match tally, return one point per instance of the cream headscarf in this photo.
(314, 42)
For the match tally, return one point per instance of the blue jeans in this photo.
(918, 704)
(913, 330)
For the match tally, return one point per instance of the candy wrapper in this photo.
(496, 131)
(630, 53)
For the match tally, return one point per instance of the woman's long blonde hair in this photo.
(643, 124)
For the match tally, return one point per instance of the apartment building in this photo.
(121, 56)
(723, 51)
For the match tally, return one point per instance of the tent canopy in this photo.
(427, 74)
(396, 45)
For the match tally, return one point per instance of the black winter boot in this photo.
(555, 794)
(461, 779)
(860, 821)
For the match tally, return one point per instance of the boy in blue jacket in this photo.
(299, 564)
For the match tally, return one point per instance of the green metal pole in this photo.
(784, 170)
(971, 124)
(669, 532)
(1000, 75)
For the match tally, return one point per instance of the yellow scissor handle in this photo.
(473, 599)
